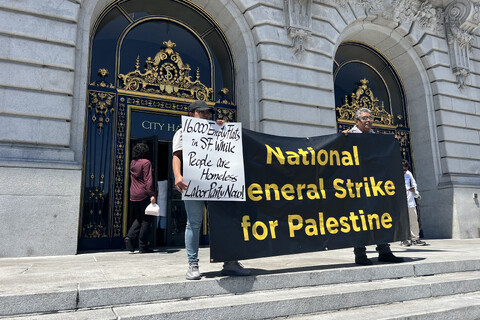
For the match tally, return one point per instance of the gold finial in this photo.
(170, 45)
(103, 72)
(137, 63)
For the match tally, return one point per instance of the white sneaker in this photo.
(234, 268)
(193, 272)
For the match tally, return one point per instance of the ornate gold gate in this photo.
(146, 94)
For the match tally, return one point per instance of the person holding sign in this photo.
(195, 208)
(363, 124)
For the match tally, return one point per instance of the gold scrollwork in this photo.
(166, 74)
(119, 171)
(225, 114)
(363, 98)
(101, 102)
(103, 73)
(403, 138)
(95, 230)
(95, 194)
(223, 97)
(159, 104)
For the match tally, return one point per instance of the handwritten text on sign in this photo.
(212, 160)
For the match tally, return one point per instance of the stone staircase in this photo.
(437, 290)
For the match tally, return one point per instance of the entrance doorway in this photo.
(157, 130)
(364, 78)
(168, 229)
(148, 62)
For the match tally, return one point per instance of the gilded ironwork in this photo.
(166, 74)
(96, 196)
(103, 73)
(102, 104)
(223, 97)
(95, 230)
(164, 105)
(224, 108)
(225, 114)
(119, 172)
(363, 97)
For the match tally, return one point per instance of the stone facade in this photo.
(284, 51)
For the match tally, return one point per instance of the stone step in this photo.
(32, 299)
(460, 306)
(270, 303)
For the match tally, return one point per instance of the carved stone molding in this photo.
(298, 16)
(462, 17)
(422, 12)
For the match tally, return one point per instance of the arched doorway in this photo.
(363, 77)
(148, 61)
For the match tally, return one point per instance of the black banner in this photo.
(312, 194)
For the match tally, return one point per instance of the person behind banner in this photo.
(412, 194)
(363, 124)
(194, 208)
(141, 194)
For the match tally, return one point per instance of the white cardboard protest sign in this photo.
(212, 160)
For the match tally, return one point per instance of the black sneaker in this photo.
(146, 250)
(234, 268)
(406, 243)
(389, 257)
(129, 244)
(419, 243)
(363, 261)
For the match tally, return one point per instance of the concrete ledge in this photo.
(373, 284)
(64, 298)
(426, 269)
(464, 306)
(112, 280)
(260, 305)
(103, 294)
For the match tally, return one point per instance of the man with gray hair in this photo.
(363, 124)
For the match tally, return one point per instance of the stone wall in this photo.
(283, 52)
(39, 174)
(36, 87)
(39, 211)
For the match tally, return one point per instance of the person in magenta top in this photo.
(142, 193)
